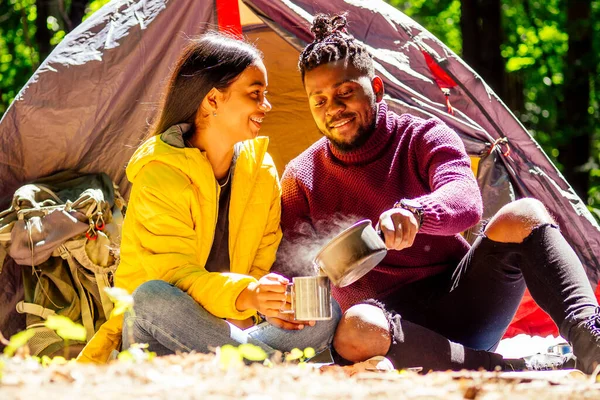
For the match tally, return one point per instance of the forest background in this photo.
(539, 56)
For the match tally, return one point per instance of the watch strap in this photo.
(417, 211)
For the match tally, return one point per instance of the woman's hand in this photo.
(287, 321)
(267, 295)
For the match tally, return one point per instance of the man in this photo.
(434, 301)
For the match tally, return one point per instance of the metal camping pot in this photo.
(351, 254)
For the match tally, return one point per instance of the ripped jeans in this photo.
(456, 319)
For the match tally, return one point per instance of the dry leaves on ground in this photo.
(195, 376)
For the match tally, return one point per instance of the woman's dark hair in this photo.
(332, 43)
(213, 60)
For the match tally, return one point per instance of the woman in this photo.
(202, 227)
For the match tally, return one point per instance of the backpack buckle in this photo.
(91, 233)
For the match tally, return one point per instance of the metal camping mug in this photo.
(311, 298)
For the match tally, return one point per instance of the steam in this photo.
(299, 248)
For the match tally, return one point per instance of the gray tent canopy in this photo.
(88, 105)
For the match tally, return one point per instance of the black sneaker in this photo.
(585, 340)
(549, 361)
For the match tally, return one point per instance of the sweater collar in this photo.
(374, 145)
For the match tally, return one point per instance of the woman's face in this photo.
(244, 104)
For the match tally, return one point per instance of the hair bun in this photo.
(324, 25)
(338, 23)
(321, 27)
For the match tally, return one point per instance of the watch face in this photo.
(412, 204)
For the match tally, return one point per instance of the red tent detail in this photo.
(228, 17)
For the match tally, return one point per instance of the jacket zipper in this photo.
(216, 217)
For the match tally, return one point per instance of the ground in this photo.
(194, 376)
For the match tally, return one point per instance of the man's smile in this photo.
(340, 122)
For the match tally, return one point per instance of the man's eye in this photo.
(319, 103)
(346, 93)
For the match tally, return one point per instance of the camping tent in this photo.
(89, 103)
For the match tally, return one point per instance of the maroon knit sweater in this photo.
(406, 157)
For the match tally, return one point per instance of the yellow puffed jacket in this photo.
(170, 225)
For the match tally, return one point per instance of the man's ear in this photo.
(377, 85)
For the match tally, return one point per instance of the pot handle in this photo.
(379, 232)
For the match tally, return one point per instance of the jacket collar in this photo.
(169, 147)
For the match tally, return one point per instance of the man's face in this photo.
(343, 103)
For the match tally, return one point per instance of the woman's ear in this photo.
(377, 84)
(211, 100)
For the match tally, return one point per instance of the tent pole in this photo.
(228, 17)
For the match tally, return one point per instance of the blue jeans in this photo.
(169, 320)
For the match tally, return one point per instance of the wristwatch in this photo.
(414, 207)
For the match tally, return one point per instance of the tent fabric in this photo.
(88, 105)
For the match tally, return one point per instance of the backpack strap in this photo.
(73, 251)
(34, 309)
(87, 313)
(2, 257)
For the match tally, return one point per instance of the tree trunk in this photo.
(42, 34)
(574, 118)
(481, 29)
(77, 12)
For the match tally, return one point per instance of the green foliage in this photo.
(46, 361)
(121, 298)
(299, 355)
(65, 328)
(536, 31)
(137, 352)
(18, 51)
(534, 49)
(123, 302)
(229, 357)
(440, 17)
(94, 6)
(17, 341)
(252, 352)
(517, 63)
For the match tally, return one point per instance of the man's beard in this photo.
(363, 134)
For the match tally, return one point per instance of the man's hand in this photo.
(399, 226)
(267, 295)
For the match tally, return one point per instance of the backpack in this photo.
(64, 232)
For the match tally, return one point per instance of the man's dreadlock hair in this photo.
(332, 43)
